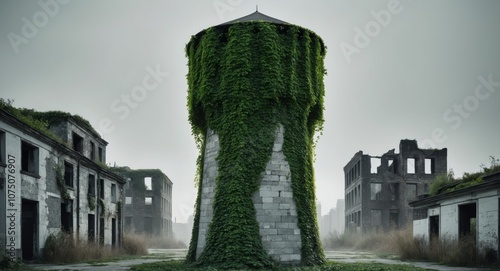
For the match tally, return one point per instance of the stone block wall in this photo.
(275, 207)
(208, 188)
(274, 203)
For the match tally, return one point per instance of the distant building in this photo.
(148, 201)
(473, 211)
(332, 223)
(182, 231)
(378, 188)
(53, 178)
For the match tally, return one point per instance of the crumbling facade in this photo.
(148, 201)
(55, 180)
(472, 211)
(378, 188)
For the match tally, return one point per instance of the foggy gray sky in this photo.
(425, 70)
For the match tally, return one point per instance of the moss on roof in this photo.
(42, 121)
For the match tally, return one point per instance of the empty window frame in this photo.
(411, 191)
(101, 188)
(113, 192)
(148, 183)
(77, 142)
(429, 166)
(394, 190)
(29, 158)
(410, 166)
(91, 187)
(101, 154)
(92, 151)
(375, 164)
(68, 174)
(128, 200)
(390, 165)
(375, 191)
(148, 200)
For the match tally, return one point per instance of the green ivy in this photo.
(91, 201)
(243, 81)
(60, 183)
(103, 207)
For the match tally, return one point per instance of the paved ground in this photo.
(163, 254)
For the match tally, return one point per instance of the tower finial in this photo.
(256, 8)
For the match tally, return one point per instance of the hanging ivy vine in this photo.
(91, 201)
(243, 81)
(60, 183)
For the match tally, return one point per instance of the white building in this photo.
(53, 178)
(472, 210)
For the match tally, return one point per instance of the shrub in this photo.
(134, 244)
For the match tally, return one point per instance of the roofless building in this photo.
(255, 98)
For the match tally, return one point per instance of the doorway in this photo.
(29, 230)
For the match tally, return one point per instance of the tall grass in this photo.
(444, 250)
(65, 248)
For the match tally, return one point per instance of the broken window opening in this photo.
(128, 200)
(394, 190)
(67, 216)
(29, 158)
(148, 183)
(113, 192)
(100, 153)
(148, 200)
(375, 164)
(91, 227)
(410, 166)
(411, 191)
(77, 142)
(375, 191)
(91, 188)
(68, 174)
(101, 188)
(429, 166)
(92, 151)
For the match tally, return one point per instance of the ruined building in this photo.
(255, 100)
(148, 201)
(379, 188)
(53, 178)
(464, 213)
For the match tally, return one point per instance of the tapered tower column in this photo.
(255, 101)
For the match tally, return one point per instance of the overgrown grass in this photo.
(330, 266)
(402, 243)
(65, 248)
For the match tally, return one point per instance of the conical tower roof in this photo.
(255, 17)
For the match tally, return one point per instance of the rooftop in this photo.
(255, 17)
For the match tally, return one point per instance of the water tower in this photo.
(255, 99)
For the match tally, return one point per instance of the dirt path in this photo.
(156, 255)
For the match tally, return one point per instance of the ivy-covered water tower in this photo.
(255, 99)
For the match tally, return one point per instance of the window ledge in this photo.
(32, 174)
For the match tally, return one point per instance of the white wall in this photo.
(448, 226)
(487, 219)
(421, 228)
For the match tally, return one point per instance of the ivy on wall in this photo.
(61, 184)
(243, 81)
